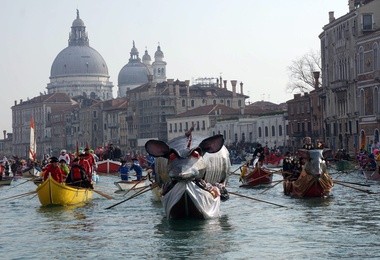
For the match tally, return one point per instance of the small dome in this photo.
(78, 22)
(78, 60)
(146, 57)
(158, 53)
(134, 73)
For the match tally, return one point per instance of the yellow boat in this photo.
(50, 192)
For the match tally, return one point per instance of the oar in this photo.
(251, 198)
(278, 182)
(20, 184)
(133, 196)
(366, 191)
(20, 195)
(355, 183)
(238, 168)
(133, 187)
(103, 194)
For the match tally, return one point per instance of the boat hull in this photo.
(309, 186)
(187, 200)
(51, 193)
(108, 167)
(6, 181)
(371, 175)
(133, 185)
(256, 176)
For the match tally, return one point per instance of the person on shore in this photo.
(54, 170)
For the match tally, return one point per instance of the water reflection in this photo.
(193, 238)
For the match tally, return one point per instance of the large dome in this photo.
(133, 74)
(78, 60)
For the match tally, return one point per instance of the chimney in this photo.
(351, 5)
(225, 84)
(233, 83)
(187, 82)
(331, 16)
(4, 133)
(220, 82)
(241, 88)
(316, 79)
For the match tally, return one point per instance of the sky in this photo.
(250, 41)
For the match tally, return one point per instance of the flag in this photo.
(33, 144)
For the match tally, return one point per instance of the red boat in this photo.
(251, 177)
(309, 186)
(108, 167)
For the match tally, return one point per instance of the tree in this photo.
(301, 77)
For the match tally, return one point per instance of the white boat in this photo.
(186, 199)
(130, 185)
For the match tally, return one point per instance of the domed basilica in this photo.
(79, 69)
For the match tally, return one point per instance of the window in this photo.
(273, 131)
(280, 130)
(192, 103)
(183, 103)
(367, 22)
(361, 60)
(375, 57)
(266, 131)
(259, 131)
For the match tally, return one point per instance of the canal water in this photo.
(345, 225)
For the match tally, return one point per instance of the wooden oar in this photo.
(19, 195)
(103, 194)
(251, 198)
(133, 196)
(278, 182)
(355, 183)
(237, 169)
(133, 187)
(349, 186)
(20, 184)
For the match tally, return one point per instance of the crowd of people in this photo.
(75, 171)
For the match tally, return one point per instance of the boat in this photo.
(31, 173)
(107, 167)
(251, 177)
(372, 175)
(134, 185)
(50, 193)
(313, 181)
(192, 184)
(344, 165)
(273, 160)
(6, 180)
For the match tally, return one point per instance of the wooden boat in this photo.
(373, 175)
(273, 160)
(108, 167)
(6, 180)
(309, 186)
(255, 176)
(51, 192)
(344, 165)
(31, 173)
(134, 185)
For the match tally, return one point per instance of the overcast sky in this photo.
(251, 41)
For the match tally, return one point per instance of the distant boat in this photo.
(108, 166)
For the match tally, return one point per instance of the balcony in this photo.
(339, 85)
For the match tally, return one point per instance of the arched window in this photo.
(280, 130)
(273, 131)
(259, 131)
(376, 64)
(266, 131)
(183, 103)
(361, 60)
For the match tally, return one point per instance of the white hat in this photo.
(63, 151)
